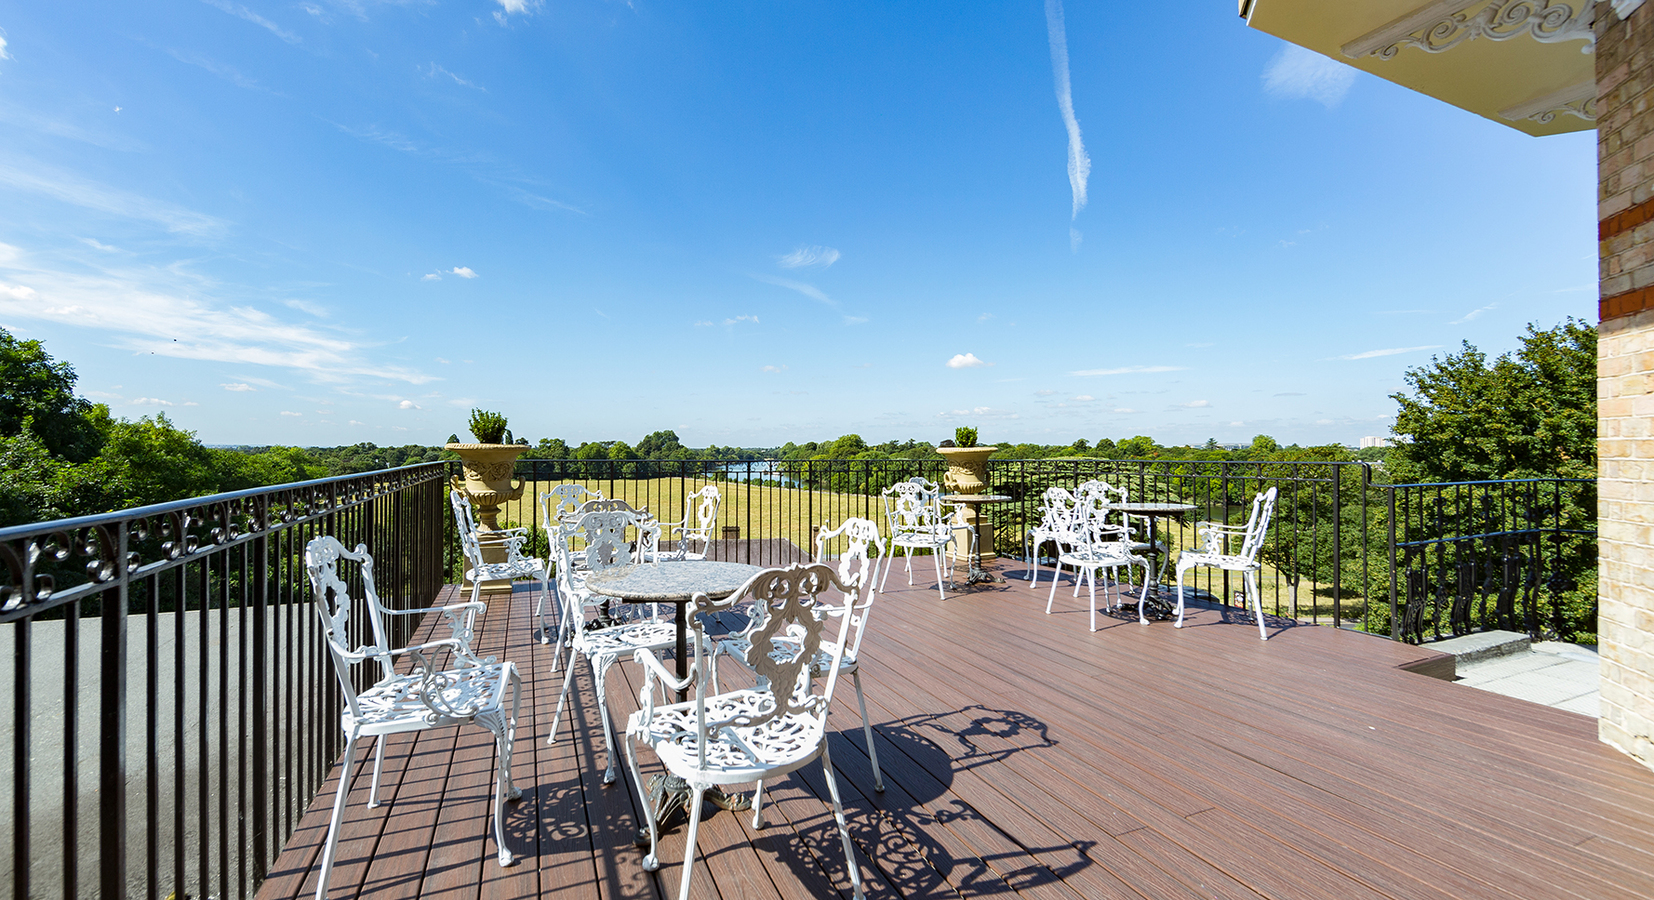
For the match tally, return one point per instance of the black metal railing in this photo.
(172, 712)
(1330, 556)
(1475, 555)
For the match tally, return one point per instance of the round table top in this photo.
(1158, 509)
(672, 582)
(974, 498)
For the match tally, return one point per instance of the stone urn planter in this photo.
(488, 482)
(968, 474)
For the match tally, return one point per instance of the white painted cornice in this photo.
(1444, 24)
(1574, 100)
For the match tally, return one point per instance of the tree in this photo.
(33, 386)
(1531, 414)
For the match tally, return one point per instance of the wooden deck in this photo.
(1025, 755)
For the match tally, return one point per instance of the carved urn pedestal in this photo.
(488, 482)
(968, 474)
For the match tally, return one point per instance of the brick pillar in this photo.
(1625, 375)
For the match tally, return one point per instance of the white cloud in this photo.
(855, 320)
(78, 192)
(16, 292)
(96, 244)
(982, 412)
(463, 272)
(808, 256)
(1129, 370)
(227, 73)
(242, 12)
(433, 70)
(1392, 351)
(739, 319)
(288, 412)
(3, 53)
(354, 422)
(238, 387)
(966, 361)
(703, 324)
(174, 312)
(1236, 424)
(517, 6)
(315, 309)
(1473, 314)
(408, 404)
(1079, 165)
(1296, 73)
(150, 401)
(433, 276)
(1084, 398)
(1196, 404)
(808, 290)
(1125, 410)
(1044, 393)
(774, 368)
(984, 317)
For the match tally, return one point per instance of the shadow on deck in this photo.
(1025, 755)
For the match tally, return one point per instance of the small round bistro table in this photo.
(1154, 511)
(675, 582)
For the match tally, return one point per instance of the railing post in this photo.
(112, 735)
(1337, 543)
(261, 699)
(1395, 622)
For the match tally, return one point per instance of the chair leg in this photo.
(843, 826)
(758, 805)
(563, 696)
(378, 766)
(1091, 587)
(867, 731)
(1056, 576)
(602, 678)
(1179, 622)
(696, 801)
(348, 763)
(937, 559)
(651, 862)
(1251, 582)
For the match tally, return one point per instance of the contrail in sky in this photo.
(1079, 165)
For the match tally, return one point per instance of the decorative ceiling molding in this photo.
(1575, 100)
(1445, 24)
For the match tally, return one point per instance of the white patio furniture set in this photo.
(720, 737)
(1089, 538)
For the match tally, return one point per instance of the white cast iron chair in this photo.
(515, 566)
(606, 547)
(562, 502)
(1214, 552)
(913, 508)
(702, 508)
(469, 690)
(857, 566)
(1090, 545)
(1056, 509)
(1136, 526)
(755, 734)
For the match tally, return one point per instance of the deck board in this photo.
(1026, 756)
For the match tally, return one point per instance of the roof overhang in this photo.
(1527, 64)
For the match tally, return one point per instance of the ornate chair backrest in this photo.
(1091, 514)
(332, 599)
(1263, 506)
(913, 505)
(855, 567)
(465, 520)
(701, 508)
(605, 534)
(1056, 508)
(562, 501)
(785, 603)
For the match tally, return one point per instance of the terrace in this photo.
(174, 716)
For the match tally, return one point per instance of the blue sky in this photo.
(326, 222)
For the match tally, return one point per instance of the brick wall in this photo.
(1625, 377)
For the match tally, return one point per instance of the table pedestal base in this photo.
(669, 798)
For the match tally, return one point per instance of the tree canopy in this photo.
(1527, 414)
